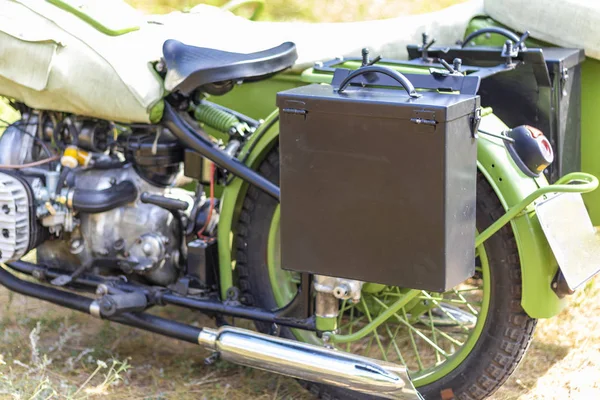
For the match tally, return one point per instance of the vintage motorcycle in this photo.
(388, 225)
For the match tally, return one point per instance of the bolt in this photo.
(102, 290)
(147, 248)
(341, 291)
(457, 63)
(119, 244)
(5, 233)
(6, 209)
(76, 246)
(327, 340)
(365, 56)
(38, 274)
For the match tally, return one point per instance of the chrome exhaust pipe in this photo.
(310, 362)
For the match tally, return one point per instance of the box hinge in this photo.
(564, 77)
(424, 117)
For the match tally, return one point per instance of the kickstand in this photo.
(63, 280)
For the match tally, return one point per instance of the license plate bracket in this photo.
(573, 238)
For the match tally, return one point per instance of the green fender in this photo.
(509, 183)
(511, 186)
(233, 195)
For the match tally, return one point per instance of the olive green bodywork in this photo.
(509, 183)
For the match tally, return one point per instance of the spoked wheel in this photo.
(460, 344)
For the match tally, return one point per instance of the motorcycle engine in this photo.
(92, 217)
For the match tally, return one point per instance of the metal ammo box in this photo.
(377, 185)
(542, 88)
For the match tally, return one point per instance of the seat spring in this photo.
(217, 119)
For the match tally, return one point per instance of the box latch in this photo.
(296, 111)
(475, 121)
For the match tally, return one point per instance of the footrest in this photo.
(115, 304)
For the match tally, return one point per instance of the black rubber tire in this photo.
(507, 332)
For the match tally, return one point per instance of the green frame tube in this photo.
(381, 318)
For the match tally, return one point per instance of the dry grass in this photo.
(562, 363)
(68, 347)
(564, 359)
(313, 10)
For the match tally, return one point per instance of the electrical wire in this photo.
(212, 200)
(31, 164)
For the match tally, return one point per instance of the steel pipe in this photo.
(310, 362)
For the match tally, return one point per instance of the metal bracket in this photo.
(564, 77)
(475, 121)
(424, 117)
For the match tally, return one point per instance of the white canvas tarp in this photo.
(52, 59)
(566, 23)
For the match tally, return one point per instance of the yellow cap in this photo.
(72, 157)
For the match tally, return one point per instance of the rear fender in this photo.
(538, 265)
(233, 196)
(509, 183)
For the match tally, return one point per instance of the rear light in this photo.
(530, 149)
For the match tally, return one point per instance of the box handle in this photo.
(397, 76)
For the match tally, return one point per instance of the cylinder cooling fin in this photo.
(15, 217)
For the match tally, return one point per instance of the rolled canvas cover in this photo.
(51, 59)
(566, 23)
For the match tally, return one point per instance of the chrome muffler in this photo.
(310, 362)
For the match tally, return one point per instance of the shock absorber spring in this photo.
(218, 119)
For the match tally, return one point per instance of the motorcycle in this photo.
(389, 234)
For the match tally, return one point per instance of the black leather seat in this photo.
(189, 67)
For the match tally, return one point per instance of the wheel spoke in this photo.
(393, 342)
(353, 322)
(469, 306)
(434, 336)
(454, 301)
(375, 333)
(414, 345)
(342, 311)
(415, 330)
(462, 326)
(467, 290)
(351, 326)
(449, 338)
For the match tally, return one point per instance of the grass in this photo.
(313, 10)
(47, 352)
